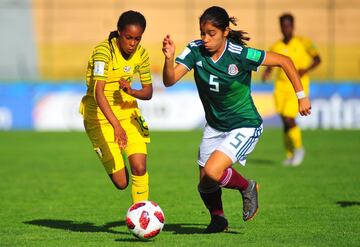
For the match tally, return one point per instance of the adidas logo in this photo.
(199, 63)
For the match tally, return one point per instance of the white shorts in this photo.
(236, 144)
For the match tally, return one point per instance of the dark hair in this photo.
(220, 19)
(287, 16)
(127, 18)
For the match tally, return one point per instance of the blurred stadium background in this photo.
(45, 45)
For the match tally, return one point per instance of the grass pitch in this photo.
(54, 192)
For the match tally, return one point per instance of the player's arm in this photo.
(171, 73)
(275, 59)
(311, 49)
(145, 93)
(316, 60)
(119, 133)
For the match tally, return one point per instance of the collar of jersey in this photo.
(117, 52)
(226, 46)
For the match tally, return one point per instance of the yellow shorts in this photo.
(286, 102)
(109, 152)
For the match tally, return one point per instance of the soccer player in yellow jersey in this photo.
(112, 118)
(305, 57)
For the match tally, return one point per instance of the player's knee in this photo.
(120, 184)
(289, 123)
(212, 173)
(138, 170)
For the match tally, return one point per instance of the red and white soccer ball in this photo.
(145, 219)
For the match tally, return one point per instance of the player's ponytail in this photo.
(238, 37)
(219, 18)
(113, 34)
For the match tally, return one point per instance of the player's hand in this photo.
(120, 136)
(125, 85)
(168, 47)
(304, 106)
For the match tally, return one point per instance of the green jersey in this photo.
(224, 85)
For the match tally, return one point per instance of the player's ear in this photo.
(227, 31)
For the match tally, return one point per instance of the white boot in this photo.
(298, 158)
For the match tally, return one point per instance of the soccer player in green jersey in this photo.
(222, 66)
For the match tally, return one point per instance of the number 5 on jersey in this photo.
(214, 85)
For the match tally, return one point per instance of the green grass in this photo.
(54, 192)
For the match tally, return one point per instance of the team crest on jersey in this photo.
(127, 69)
(233, 69)
(137, 67)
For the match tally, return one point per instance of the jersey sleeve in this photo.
(310, 47)
(144, 70)
(252, 58)
(101, 57)
(187, 57)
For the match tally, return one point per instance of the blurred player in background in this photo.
(222, 66)
(112, 118)
(305, 57)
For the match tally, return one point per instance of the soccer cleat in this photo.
(288, 161)
(298, 158)
(217, 224)
(250, 200)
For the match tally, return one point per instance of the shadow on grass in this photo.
(346, 204)
(133, 239)
(70, 225)
(74, 226)
(262, 162)
(189, 229)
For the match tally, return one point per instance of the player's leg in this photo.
(120, 178)
(210, 193)
(293, 133)
(109, 153)
(288, 123)
(235, 147)
(220, 170)
(114, 164)
(136, 151)
(286, 105)
(209, 190)
(139, 177)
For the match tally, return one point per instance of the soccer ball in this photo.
(145, 219)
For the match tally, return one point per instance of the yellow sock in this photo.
(140, 187)
(289, 149)
(295, 137)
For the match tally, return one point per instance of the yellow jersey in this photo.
(107, 64)
(301, 50)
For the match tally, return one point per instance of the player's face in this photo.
(129, 38)
(212, 37)
(287, 28)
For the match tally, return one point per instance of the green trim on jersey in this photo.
(224, 85)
